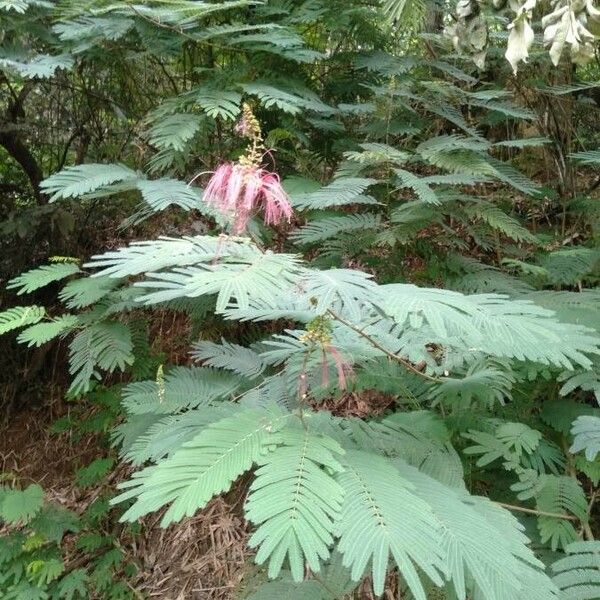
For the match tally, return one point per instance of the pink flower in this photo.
(238, 190)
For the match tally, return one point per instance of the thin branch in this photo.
(405, 363)
(539, 513)
(178, 30)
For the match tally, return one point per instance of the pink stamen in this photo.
(237, 190)
(343, 368)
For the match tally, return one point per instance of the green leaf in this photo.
(483, 546)
(73, 585)
(560, 414)
(83, 292)
(79, 180)
(217, 102)
(21, 506)
(42, 66)
(328, 227)
(340, 192)
(560, 495)
(293, 99)
(236, 282)
(373, 529)
(203, 467)
(424, 192)
(175, 131)
(586, 436)
(53, 521)
(43, 572)
(578, 574)
(93, 473)
(105, 345)
(42, 276)
(182, 388)
(295, 501)
(26, 591)
(159, 194)
(232, 357)
(288, 589)
(591, 157)
(38, 335)
(19, 316)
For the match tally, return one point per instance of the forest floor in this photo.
(202, 558)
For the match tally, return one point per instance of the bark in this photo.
(12, 141)
(19, 151)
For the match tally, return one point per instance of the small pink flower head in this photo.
(238, 190)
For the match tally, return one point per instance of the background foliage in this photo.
(401, 384)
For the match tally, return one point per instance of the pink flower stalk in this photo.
(239, 189)
(342, 366)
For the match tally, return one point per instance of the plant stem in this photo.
(405, 363)
(532, 511)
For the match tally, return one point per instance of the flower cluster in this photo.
(239, 189)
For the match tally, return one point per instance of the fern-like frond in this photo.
(295, 501)
(328, 227)
(182, 388)
(531, 142)
(578, 574)
(483, 383)
(42, 66)
(37, 335)
(217, 102)
(496, 218)
(342, 290)
(175, 131)
(293, 99)
(340, 192)
(511, 176)
(85, 29)
(149, 436)
(376, 153)
(285, 588)
(235, 282)
(587, 381)
(159, 194)
(586, 436)
(509, 439)
(580, 308)
(106, 345)
(418, 185)
(560, 495)
(41, 277)
(20, 316)
(381, 519)
(568, 266)
(591, 157)
(80, 180)
(560, 414)
(20, 506)
(491, 324)
(205, 466)
(232, 357)
(420, 438)
(86, 291)
(143, 257)
(483, 547)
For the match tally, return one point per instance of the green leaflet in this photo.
(295, 501)
(372, 529)
(205, 466)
